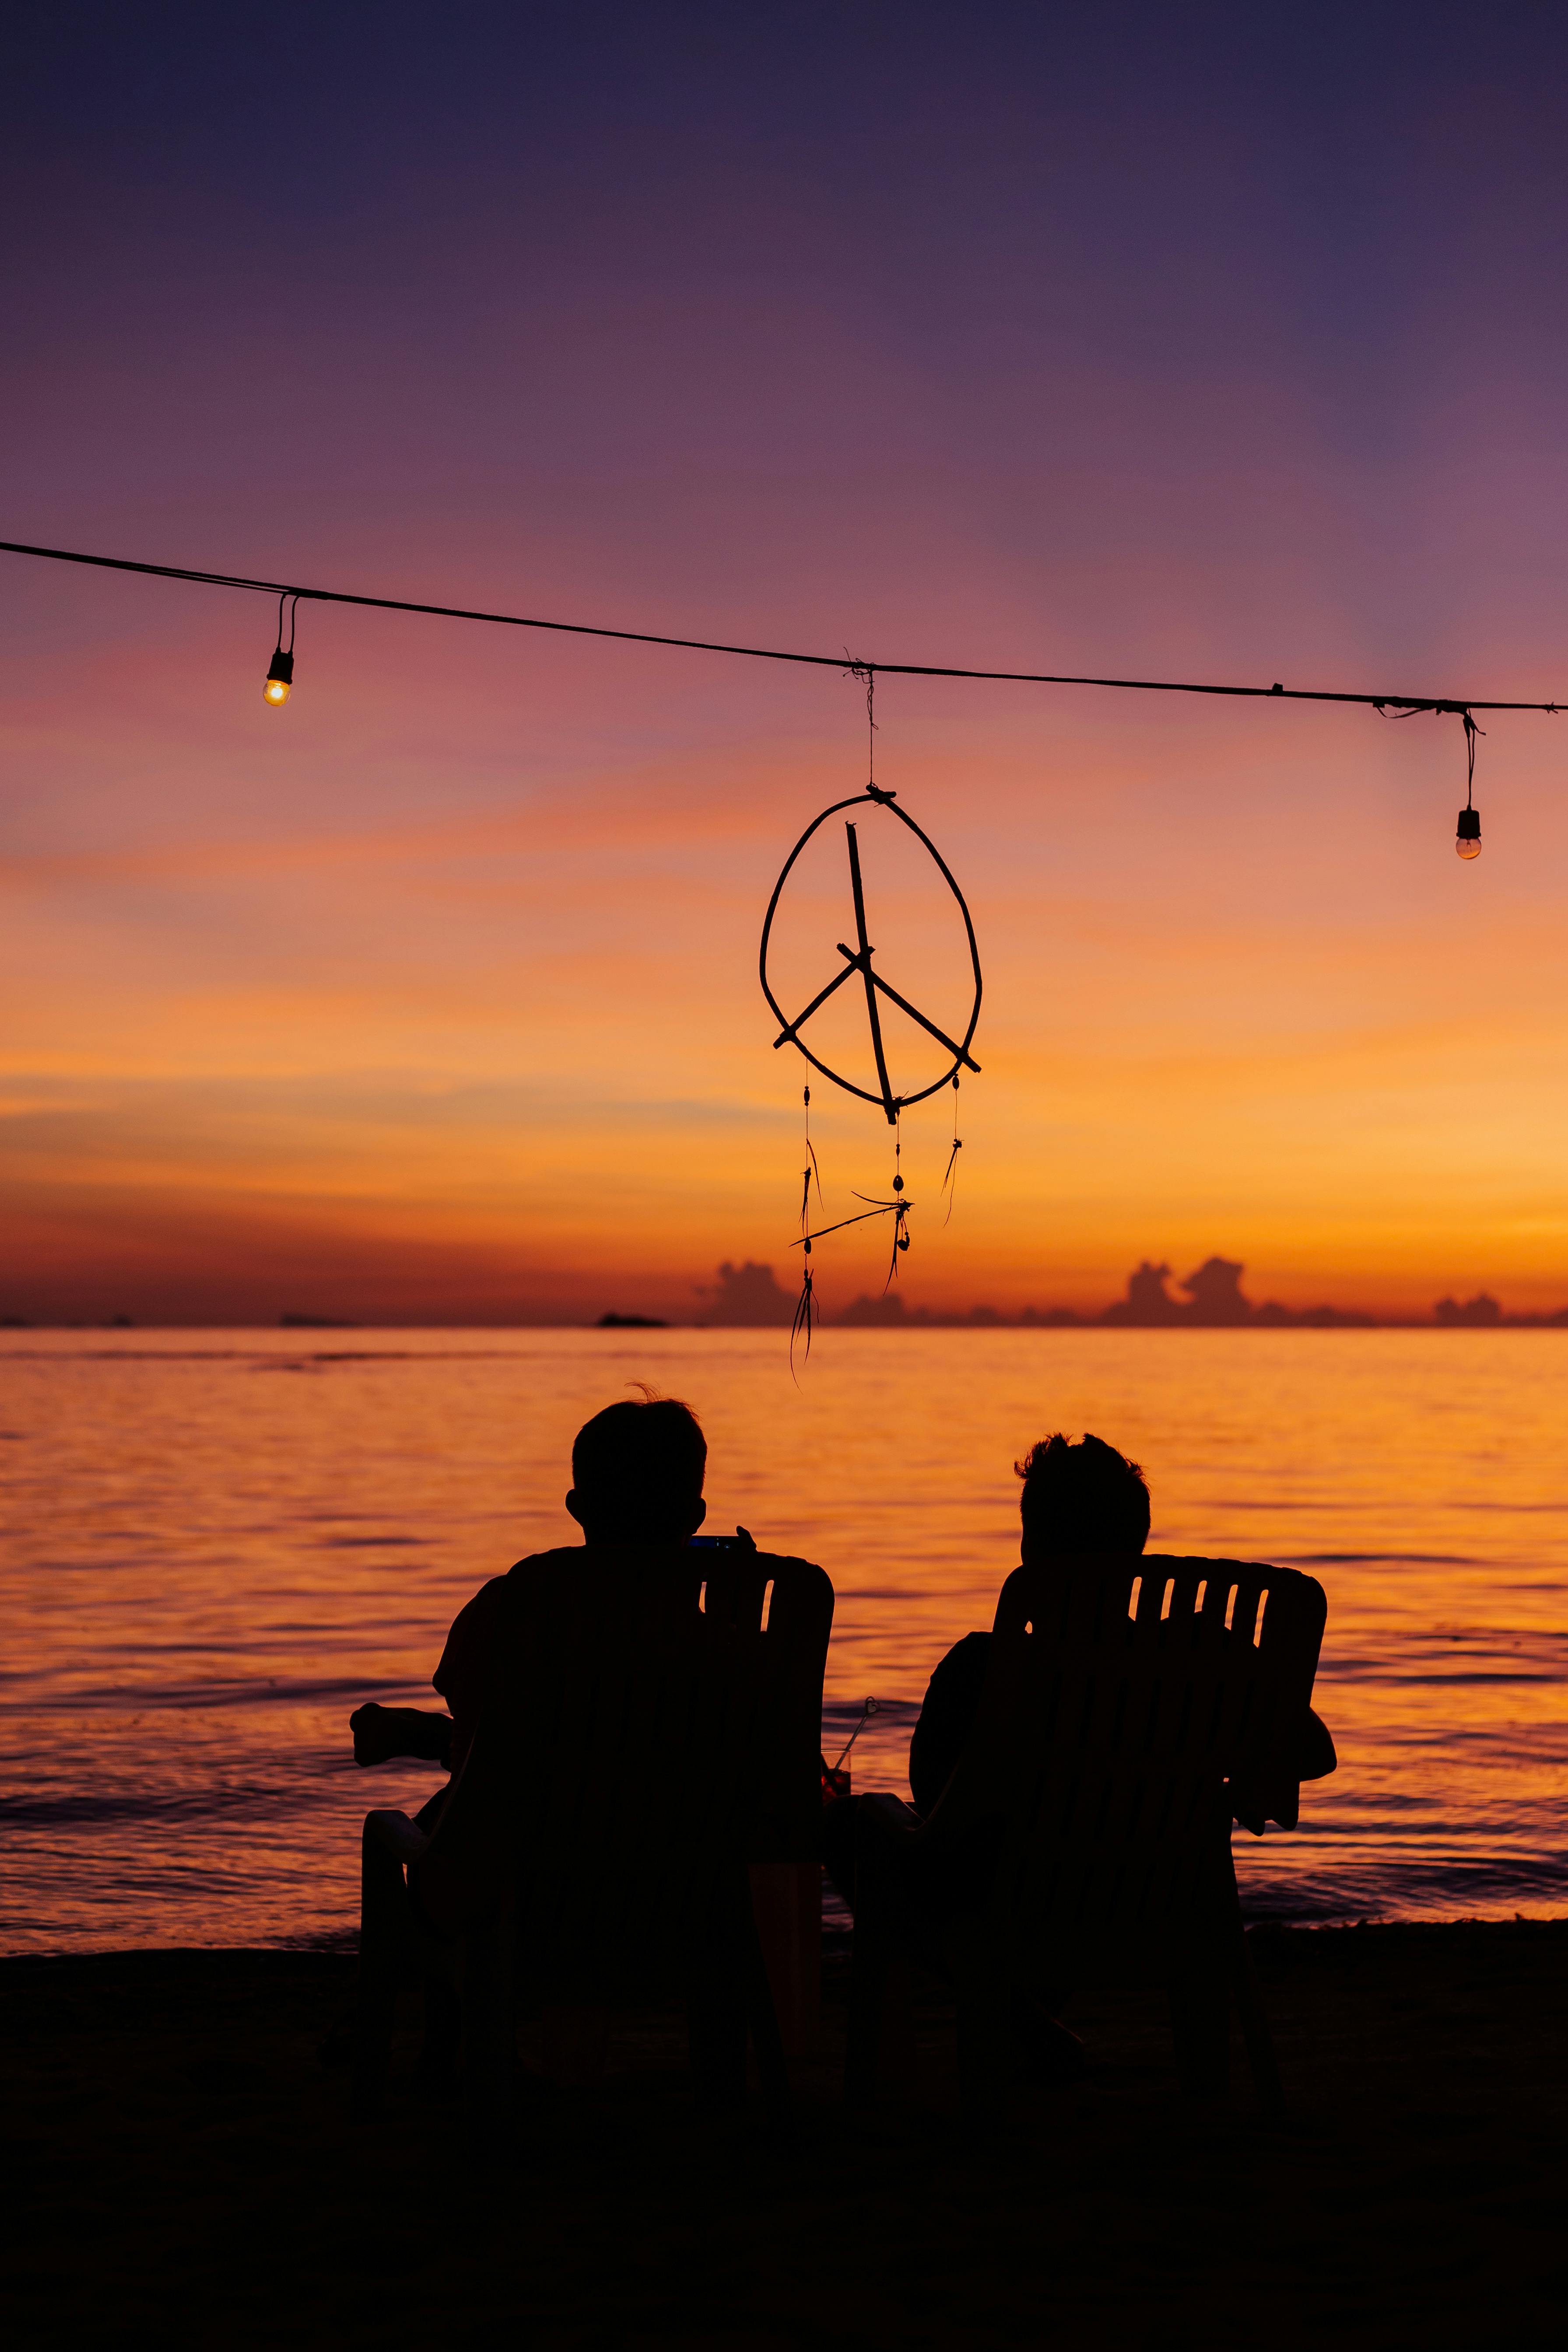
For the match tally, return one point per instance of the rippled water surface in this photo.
(216, 1544)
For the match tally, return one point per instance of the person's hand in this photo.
(376, 1734)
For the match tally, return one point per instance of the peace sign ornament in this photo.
(857, 960)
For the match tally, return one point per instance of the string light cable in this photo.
(1392, 705)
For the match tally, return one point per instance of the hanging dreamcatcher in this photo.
(857, 964)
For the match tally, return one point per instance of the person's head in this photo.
(636, 1472)
(1082, 1498)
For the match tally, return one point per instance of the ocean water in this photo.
(214, 1545)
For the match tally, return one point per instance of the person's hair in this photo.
(1082, 1498)
(638, 1470)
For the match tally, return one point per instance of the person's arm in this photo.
(946, 1719)
(1315, 1756)
(1276, 1796)
(382, 1732)
(462, 1677)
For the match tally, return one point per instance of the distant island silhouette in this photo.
(750, 1297)
(1215, 1302)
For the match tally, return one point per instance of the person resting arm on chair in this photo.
(1086, 1497)
(1080, 1499)
(637, 1480)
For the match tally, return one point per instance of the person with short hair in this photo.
(1082, 1498)
(637, 1484)
(1086, 1497)
(1077, 1498)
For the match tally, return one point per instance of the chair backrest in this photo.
(1123, 1693)
(638, 1750)
(790, 1602)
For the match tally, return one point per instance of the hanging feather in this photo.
(811, 1168)
(901, 1207)
(950, 1177)
(807, 1312)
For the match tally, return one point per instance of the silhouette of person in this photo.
(1076, 1498)
(1086, 1497)
(637, 1484)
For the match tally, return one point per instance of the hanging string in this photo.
(950, 1181)
(1471, 731)
(811, 1172)
(899, 1206)
(1461, 710)
(867, 671)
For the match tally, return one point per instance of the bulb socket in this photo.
(1469, 825)
(282, 669)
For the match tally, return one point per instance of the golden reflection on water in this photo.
(217, 1543)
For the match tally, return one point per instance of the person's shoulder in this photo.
(498, 1595)
(541, 1564)
(968, 1657)
(541, 1581)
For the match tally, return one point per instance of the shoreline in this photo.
(838, 1939)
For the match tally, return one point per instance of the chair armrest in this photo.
(396, 1835)
(885, 1830)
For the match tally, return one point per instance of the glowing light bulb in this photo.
(279, 678)
(1468, 838)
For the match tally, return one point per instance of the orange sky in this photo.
(280, 1050)
(434, 995)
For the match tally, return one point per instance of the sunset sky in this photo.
(1214, 342)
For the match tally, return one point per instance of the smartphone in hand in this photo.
(380, 1733)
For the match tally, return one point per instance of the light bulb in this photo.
(279, 678)
(1468, 838)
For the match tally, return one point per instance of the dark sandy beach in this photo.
(182, 2170)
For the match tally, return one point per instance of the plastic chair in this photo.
(1133, 1704)
(793, 1601)
(640, 1755)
